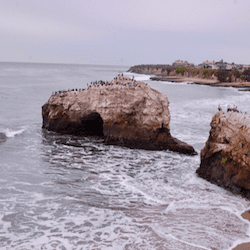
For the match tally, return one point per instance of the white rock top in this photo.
(119, 96)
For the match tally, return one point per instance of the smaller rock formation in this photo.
(126, 112)
(225, 159)
(3, 137)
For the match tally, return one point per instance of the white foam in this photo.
(142, 78)
(12, 133)
(238, 242)
(173, 83)
(171, 208)
(138, 77)
(193, 245)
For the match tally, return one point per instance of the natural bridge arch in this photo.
(91, 124)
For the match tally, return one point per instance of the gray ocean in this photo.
(65, 192)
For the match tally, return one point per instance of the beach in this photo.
(244, 246)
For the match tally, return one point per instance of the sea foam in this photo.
(12, 133)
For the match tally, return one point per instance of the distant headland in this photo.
(207, 73)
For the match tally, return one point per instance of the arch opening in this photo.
(91, 125)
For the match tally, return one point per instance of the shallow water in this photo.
(67, 192)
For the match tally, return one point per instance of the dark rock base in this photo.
(89, 125)
(173, 144)
(219, 169)
(122, 132)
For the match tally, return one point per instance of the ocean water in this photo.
(66, 192)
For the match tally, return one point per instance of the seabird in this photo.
(219, 108)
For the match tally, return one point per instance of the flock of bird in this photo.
(120, 80)
(229, 109)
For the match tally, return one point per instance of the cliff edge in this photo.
(211, 77)
(126, 112)
(225, 159)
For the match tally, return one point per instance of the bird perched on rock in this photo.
(234, 109)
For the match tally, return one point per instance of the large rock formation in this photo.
(225, 159)
(124, 111)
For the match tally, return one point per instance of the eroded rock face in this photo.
(124, 111)
(225, 159)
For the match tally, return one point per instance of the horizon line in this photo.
(65, 63)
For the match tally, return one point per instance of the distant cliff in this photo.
(209, 74)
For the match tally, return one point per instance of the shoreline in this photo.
(199, 81)
(241, 86)
(246, 245)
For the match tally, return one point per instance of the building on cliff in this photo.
(183, 64)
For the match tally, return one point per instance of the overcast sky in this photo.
(124, 32)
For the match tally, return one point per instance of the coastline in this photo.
(210, 82)
(240, 85)
(202, 76)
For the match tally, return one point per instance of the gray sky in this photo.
(124, 32)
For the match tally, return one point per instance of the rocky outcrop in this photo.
(126, 112)
(3, 137)
(225, 159)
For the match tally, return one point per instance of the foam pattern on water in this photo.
(87, 195)
(63, 192)
(12, 133)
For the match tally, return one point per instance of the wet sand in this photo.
(244, 246)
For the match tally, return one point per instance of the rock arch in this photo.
(92, 124)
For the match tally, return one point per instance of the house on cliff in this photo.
(216, 65)
(182, 64)
(206, 65)
(246, 67)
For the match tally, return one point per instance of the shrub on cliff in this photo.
(194, 72)
(180, 70)
(207, 72)
(246, 75)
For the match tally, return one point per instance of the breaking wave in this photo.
(12, 133)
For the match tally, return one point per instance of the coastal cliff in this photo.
(126, 112)
(225, 159)
(196, 75)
